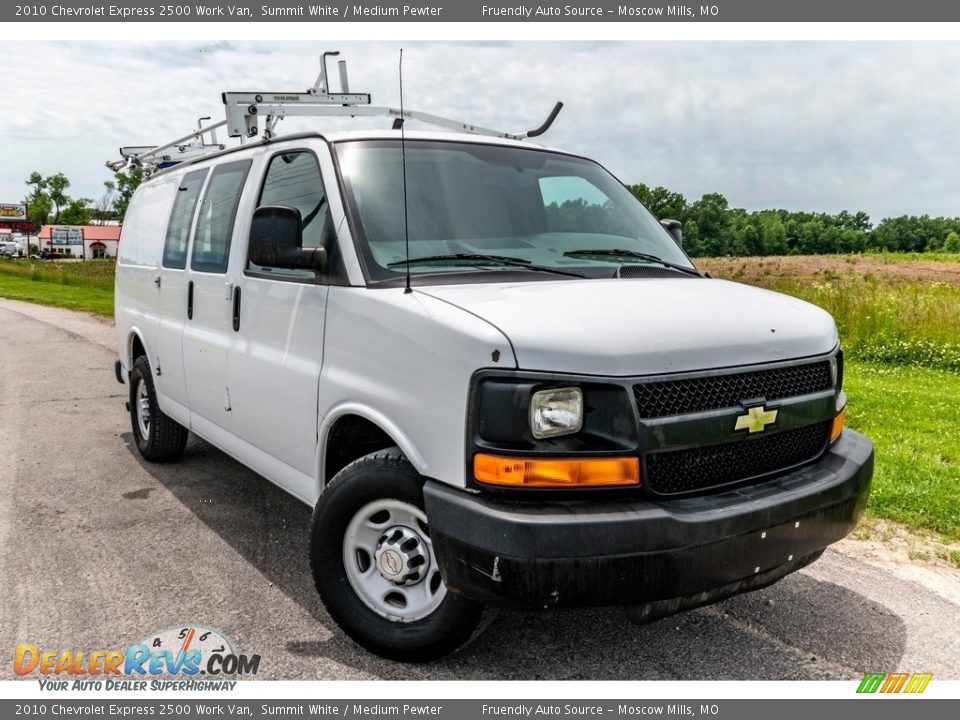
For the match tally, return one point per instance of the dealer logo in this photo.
(899, 682)
(185, 650)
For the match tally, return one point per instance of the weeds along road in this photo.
(97, 549)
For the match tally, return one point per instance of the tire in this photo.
(158, 437)
(374, 567)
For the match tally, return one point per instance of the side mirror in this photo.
(675, 228)
(276, 239)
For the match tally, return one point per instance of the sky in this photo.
(816, 126)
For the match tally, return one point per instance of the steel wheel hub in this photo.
(400, 557)
(389, 563)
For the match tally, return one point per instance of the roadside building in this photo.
(88, 242)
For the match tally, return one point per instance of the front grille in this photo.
(690, 395)
(684, 471)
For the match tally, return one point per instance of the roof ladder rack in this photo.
(244, 111)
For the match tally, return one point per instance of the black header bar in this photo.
(858, 11)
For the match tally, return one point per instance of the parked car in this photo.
(493, 375)
(9, 248)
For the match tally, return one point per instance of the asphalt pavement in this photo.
(98, 548)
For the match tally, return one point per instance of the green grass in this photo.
(87, 273)
(73, 297)
(85, 286)
(913, 417)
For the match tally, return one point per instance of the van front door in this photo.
(208, 329)
(277, 348)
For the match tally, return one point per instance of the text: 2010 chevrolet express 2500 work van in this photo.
(558, 411)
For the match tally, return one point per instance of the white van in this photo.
(493, 375)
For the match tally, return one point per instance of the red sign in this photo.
(18, 225)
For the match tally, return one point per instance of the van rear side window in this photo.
(178, 229)
(218, 210)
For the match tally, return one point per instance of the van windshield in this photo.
(473, 208)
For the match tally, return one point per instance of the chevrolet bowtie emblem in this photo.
(756, 419)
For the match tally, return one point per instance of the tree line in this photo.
(711, 228)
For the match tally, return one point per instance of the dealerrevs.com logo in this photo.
(202, 657)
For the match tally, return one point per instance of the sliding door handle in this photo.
(190, 300)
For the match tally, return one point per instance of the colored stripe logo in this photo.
(894, 682)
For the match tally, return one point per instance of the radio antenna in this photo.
(403, 164)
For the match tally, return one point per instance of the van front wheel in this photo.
(374, 566)
(158, 437)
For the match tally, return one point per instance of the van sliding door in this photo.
(172, 306)
(208, 328)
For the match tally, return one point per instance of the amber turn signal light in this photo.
(562, 472)
(837, 426)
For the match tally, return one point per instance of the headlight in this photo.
(836, 371)
(556, 412)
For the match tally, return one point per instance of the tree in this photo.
(56, 187)
(712, 216)
(127, 181)
(77, 212)
(104, 209)
(662, 203)
(691, 239)
(773, 235)
(37, 201)
(48, 194)
(952, 243)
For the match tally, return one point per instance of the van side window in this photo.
(181, 217)
(218, 210)
(293, 179)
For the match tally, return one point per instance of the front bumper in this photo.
(657, 554)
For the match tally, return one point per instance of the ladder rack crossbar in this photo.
(238, 106)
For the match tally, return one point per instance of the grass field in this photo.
(912, 415)
(899, 320)
(898, 309)
(86, 286)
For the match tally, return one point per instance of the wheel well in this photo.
(136, 349)
(350, 438)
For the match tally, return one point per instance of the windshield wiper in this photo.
(633, 255)
(478, 258)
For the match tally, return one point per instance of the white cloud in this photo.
(818, 126)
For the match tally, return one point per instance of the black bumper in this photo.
(674, 553)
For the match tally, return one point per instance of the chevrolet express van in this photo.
(495, 378)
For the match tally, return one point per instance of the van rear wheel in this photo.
(374, 566)
(159, 438)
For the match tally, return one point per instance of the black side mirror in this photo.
(675, 228)
(276, 240)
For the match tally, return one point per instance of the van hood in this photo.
(623, 327)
